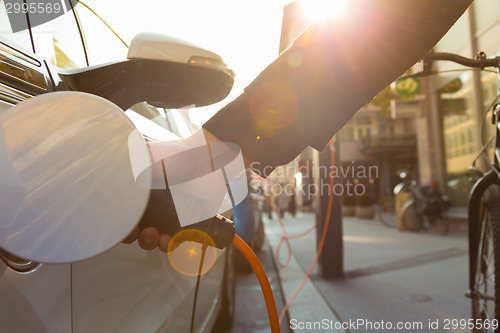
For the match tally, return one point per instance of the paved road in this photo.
(392, 276)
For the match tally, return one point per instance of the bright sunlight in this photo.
(323, 9)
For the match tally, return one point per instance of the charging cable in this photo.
(263, 281)
(221, 230)
(259, 272)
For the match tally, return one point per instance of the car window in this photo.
(151, 122)
(19, 40)
(59, 42)
(150, 129)
(183, 128)
(103, 45)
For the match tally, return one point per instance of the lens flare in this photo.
(185, 255)
(324, 9)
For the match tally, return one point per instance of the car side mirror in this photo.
(68, 187)
(160, 70)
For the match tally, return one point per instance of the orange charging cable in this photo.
(274, 321)
(263, 281)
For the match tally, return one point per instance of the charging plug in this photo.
(219, 228)
(161, 214)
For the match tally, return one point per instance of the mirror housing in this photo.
(160, 70)
(70, 165)
(153, 46)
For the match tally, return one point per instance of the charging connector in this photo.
(160, 213)
(219, 228)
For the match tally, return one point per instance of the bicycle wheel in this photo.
(386, 212)
(486, 292)
(412, 220)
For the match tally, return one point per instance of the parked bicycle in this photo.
(426, 209)
(484, 213)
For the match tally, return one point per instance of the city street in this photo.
(417, 280)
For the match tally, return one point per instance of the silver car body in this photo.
(125, 289)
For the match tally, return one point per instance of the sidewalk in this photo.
(417, 280)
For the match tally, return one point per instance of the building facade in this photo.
(445, 125)
(458, 113)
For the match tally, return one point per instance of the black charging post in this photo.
(331, 261)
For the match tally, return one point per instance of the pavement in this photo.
(393, 281)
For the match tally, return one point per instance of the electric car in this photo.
(125, 289)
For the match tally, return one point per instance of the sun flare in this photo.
(323, 9)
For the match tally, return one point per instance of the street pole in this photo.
(331, 261)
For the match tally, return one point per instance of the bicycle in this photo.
(483, 213)
(425, 210)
